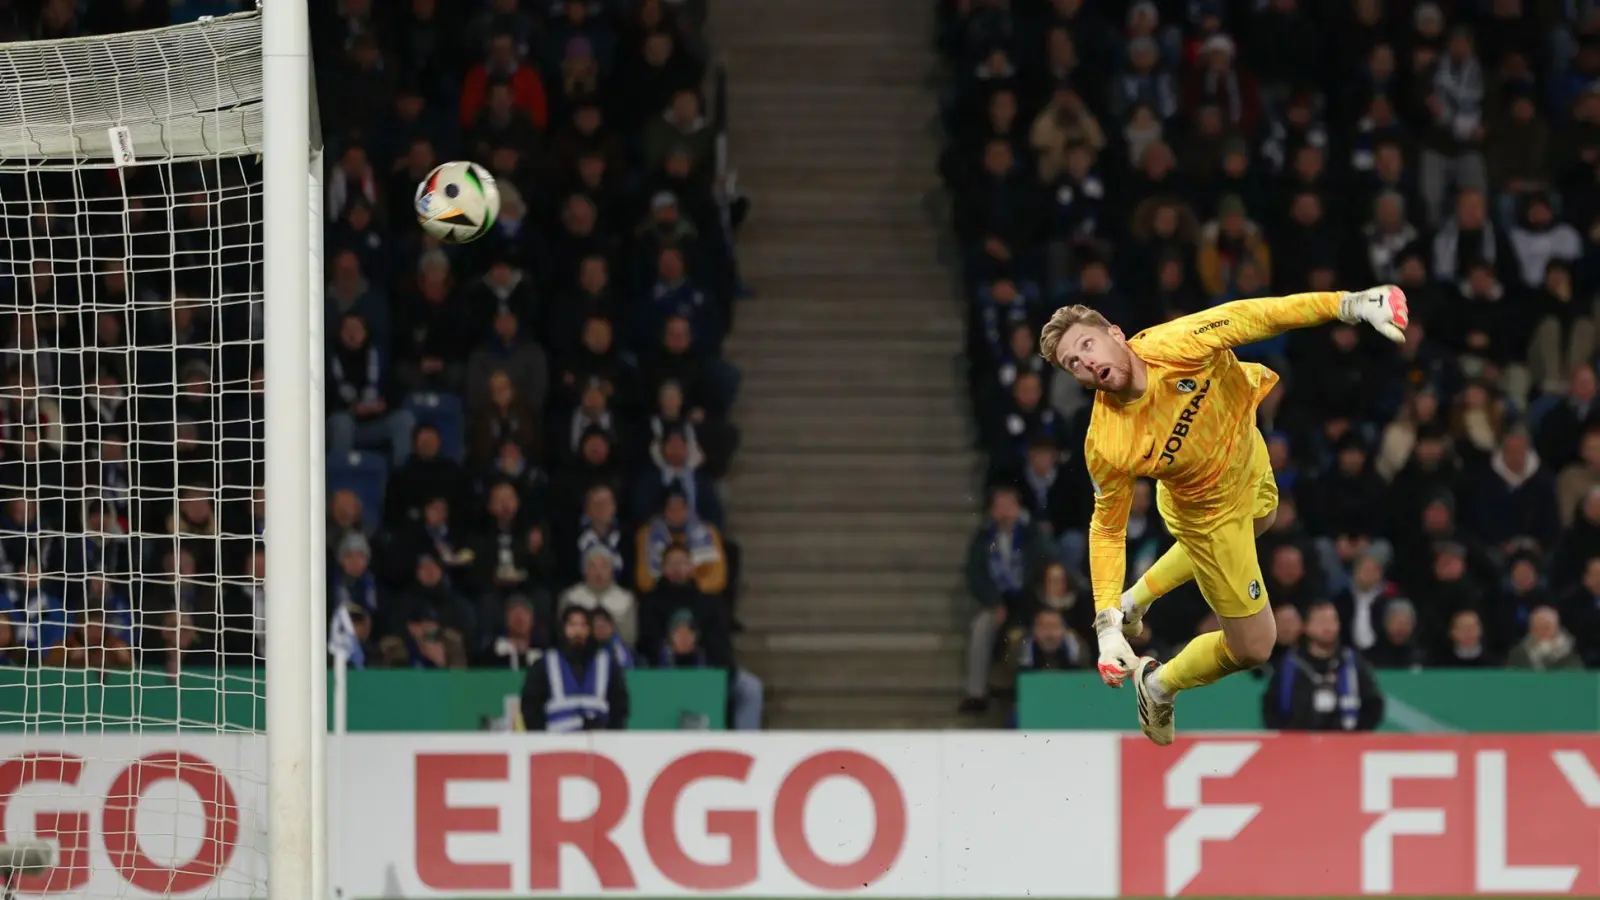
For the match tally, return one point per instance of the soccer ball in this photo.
(458, 202)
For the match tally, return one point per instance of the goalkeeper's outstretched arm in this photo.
(1198, 335)
(1108, 565)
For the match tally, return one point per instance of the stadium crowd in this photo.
(532, 423)
(1154, 158)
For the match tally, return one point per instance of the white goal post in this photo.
(162, 566)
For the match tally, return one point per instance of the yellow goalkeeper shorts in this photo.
(1223, 551)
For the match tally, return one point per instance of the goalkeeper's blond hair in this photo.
(1062, 322)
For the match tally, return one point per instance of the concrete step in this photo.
(848, 555)
(845, 288)
(862, 339)
(822, 584)
(854, 670)
(864, 404)
(911, 637)
(861, 27)
(866, 359)
(826, 386)
(886, 325)
(782, 199)
(855, 613)
(863, 703)
(911, 436)
(838, 95)
(868, 236)
(873, 528)
(853, 551)
(954, 465)
(891, 152)
(769, 492)
(777, 259)
(886, 720)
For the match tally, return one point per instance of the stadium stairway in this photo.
(853, 492)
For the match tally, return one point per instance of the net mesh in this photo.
(131, 461)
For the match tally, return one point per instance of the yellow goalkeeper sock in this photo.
(1165, 575)
(1202, 661)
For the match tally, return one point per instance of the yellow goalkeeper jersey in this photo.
(1189, 430)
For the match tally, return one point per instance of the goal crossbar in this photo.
(185, 92)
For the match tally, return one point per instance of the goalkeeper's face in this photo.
(1099, 358)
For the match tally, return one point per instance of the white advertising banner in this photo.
(137, 817)
(452, 816)
(779, 815)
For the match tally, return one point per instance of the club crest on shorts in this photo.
(1186, 385)
(1254, 589)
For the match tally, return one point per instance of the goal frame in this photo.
(296, 628)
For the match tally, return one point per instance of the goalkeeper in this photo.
(1175, 404)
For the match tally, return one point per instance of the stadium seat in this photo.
(363, 473)
(445, 413)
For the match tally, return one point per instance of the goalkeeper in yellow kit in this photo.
(1174, 403)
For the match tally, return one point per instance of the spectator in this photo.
(599, 531)
(681, 127)
(350, 293)
(599, 591)
(1398, 646)
(433, 344)
(1464, 643)
(676, 591)
(511, 558)
(1547, 645)
(1516, 498)
(682, 650)
(439, 627)
(1453, 96)
(358, 395)
(520, 641)
(1226, 242)
(427, 473)
(504, 63)
(1003, 558)
(504, 417)
(511, 352)
(1365, 600)
(605, 634)
(1322, 685)
(1050, 645)
(678, 526)
(675, 464)
(579, 688)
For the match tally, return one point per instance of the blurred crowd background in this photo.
(541, 420)
(532, 422)
(1151, 159)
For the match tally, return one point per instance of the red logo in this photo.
(119, 822)
(1348, 815)
(615, 853)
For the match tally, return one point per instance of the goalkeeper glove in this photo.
(1384, 308)
(1117, 659)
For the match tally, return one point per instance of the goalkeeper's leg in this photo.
(1229, 576)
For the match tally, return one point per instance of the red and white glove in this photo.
(1117, 659)
(1384, 308)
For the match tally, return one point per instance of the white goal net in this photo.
(132, 490)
